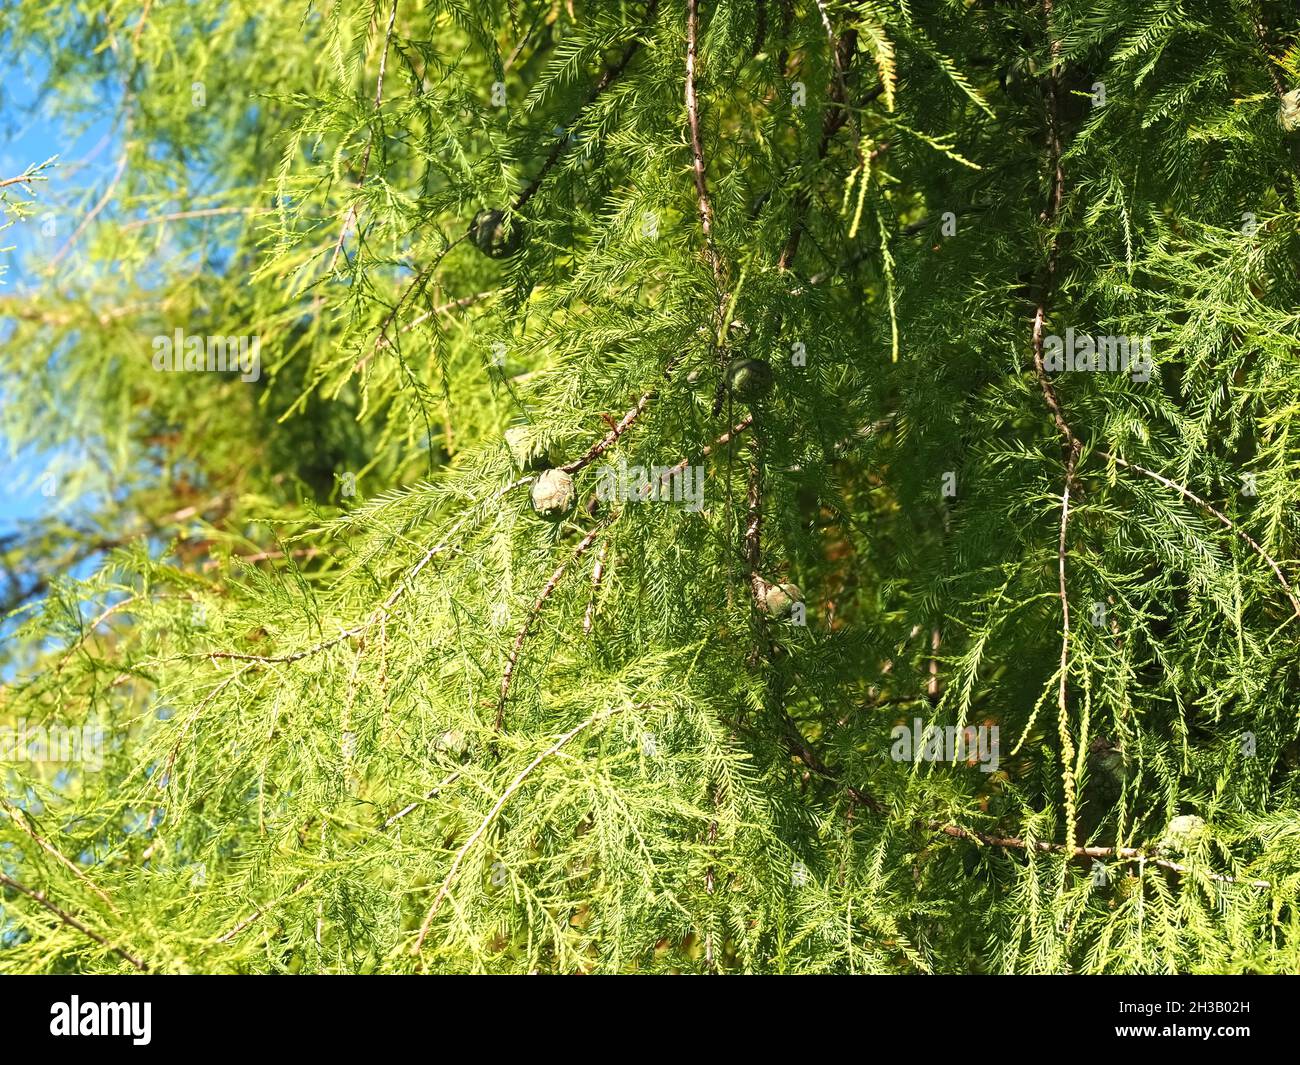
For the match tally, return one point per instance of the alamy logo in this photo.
(53, 743)
(935, 743)
(651, 484)
(1101, 354)
(102, 1018)
(193, 354)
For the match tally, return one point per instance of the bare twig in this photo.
(381, 610)
(609, 439)
(722, 441)
(94, 211)
(231, 933)
(180, 216)
(798, 746)
(1119, 853)
(1063, 714)
(1073, 446)
(412, 807)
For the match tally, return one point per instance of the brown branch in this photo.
(1063, 711)
(547, 590)
(1120, 853)
(722, 441)
(72, 922)
(703, 203)
(590, 456)
(842, 49)
(454, 305)
(90, 631)
(180, 216)
(611, 438)
(198, 711)
(1073, 446)
(797, 745)
(417, 282)
(412, 807)
(1261, 34)
(837, 115)
(20, 819)
(527, 194)
(231, 933)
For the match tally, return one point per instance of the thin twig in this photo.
(597, 572)
(547, 590)
(798, 746)
(703, 203)
(252, 918)
(1073, 446)
(20, 819)
(351, 217)
(606, 79)
(611, 438)
(72, 922)
(412, 807)
(1063, 714)
(1222, 518)
(1120, 853)
(231, 933)
(180, 216)
(477, 834)
(94, 212)
(381, 610)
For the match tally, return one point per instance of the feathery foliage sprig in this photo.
(420, 727)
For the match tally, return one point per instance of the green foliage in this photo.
(422, 728)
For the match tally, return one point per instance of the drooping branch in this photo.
(73, 922)
(21, 820)
(548, 589)
(477, 834)
(351, 218)
(1072, 444)
(1219, 516)
(512, 659)
(610, 75)
(698, 169)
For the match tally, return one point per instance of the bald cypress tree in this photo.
(704, 487)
